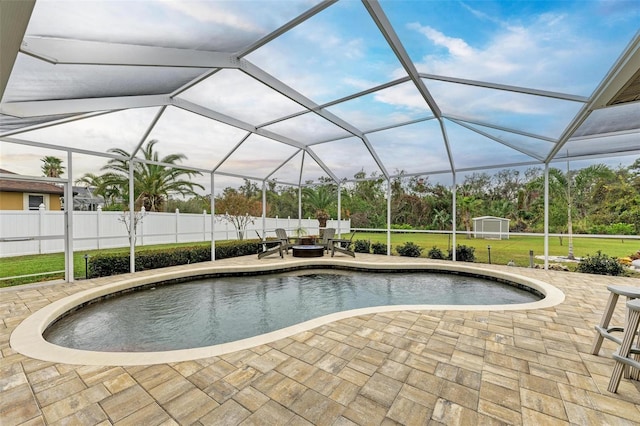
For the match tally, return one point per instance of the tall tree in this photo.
(319, 200)
(238, 209)
(153, 183)
(52, 166)
(468, 205)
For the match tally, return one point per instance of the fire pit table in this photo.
(308, 251)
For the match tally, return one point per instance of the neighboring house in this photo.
(28, 195)
(84, 199)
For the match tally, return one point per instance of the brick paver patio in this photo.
(405, 367)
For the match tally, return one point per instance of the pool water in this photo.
(211, 311)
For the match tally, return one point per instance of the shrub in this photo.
(600, 264)
(379, 248)
(362, 246)
(103, 265)
(435, 253)
(463, 254)
(409, 249)
(401, 226)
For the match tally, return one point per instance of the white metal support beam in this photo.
(546, 216)
(388, 217)
(507, 88)
(447, 145)
(286, 27)
(213, 217)
(307, 103)
(206, 112)
(132, 217)
(77, 106)
(385, 27)
(500, 141)
(68, 219)
(14, 18)
(83, 52)
(616, 79)
(453, 117)
(52, 122)
(454, 213)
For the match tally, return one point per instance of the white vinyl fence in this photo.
(38, 232)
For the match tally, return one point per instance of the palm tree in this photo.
(320, 200)
(468, 205)
(153, 183)
(52, 166)
(103, 185)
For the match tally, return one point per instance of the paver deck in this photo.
(403, 367)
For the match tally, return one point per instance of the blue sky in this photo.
(561, 46)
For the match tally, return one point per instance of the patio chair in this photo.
(342, 246)
(625, 355)
(284, 239)
(327, 237)
(266, 250)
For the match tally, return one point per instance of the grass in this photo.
(42, 263)
(516, 248)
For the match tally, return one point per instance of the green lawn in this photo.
(516, 248)
(40, 263)
(502, 251)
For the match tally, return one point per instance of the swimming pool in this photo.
(211, 311)
(27, 338)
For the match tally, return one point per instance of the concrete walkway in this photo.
(403, 367)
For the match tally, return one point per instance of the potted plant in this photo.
(303, 238)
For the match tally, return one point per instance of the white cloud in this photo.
(214, 13)
(546, 53)
(456, 46)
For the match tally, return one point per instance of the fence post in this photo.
(177, 220)
(98, 225)
(204, 225)
(41, 211)
(140, 223)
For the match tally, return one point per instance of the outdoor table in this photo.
(308, 251)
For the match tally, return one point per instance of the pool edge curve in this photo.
(27, 338)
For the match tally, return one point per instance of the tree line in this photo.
(595, 199)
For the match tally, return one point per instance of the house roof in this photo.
(491, 217)
(10, 185)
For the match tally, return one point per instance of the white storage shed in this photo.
(491, 227)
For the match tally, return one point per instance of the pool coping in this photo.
(27, 338)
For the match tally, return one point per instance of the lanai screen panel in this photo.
(534, 114)
(339, 53)
(535, 147)
(347, 157)
(413, 148)
(205, 142)
(238, 95)
(34, 79)
(336, 53)
(308, 128)
(10, 123)
(471, 150)
(244, 160)
(395, 105)
(302, 168)
(225, 26)
(560, 46)
(119, 129)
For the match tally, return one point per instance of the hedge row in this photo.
(103, 265)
